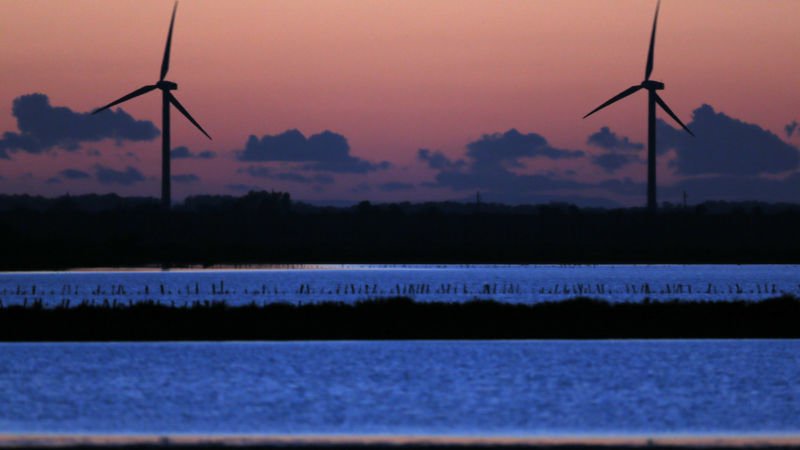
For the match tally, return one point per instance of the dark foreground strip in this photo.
(396, 442)
(411, 447)
(406, 319)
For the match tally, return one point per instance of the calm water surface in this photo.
(417, 387)
(513, 283)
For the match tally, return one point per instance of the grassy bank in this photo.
(401, 318)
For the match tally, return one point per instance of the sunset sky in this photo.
(414, 87)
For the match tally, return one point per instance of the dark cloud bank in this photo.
(725, 146)
(607, 139)
(487, 167)
(43, 127)
(127, 177)
(394, 186)
(295, 177)
(74, 174)
(611, 162)
(303, 160)
(185, 178)
(790, 129)
(106, 175)
(731, 188)
(728, 160)
(323, 152)
(618, 150)
(241, 187)
(183, 152)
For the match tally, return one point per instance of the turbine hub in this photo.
(652, 85)
(165, 85)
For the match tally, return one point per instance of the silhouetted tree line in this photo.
(267, 227)
(402, 318)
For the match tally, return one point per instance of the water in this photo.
(515, 283)
(407, 387)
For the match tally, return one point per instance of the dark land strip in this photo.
(143, 442)
(269, 228)
(402, 318)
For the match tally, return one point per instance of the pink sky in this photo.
(392, 76)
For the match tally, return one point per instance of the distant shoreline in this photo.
(337, 266)
(155, 268)
(404, 319)
(398, 442)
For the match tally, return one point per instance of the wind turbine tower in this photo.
(166, 99)
(653, 99)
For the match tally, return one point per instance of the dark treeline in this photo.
(400, 318)
(262, 228)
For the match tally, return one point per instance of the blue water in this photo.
(416, 387)
(514, 283)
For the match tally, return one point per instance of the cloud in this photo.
(509, 147)
(127, 177)
(736, 188)
(625, 186)
(496, 181)
(239, 187)
(256, 171)
(299, 178)
(185, 178)
(353, 165)
(438, 160)
(502, 181)
(617, 149)
(611, 162)
(267, 172)
(183, 152)
(715, 187)
(93, 152)
(725, 146)
(53, 180)
(325, 152)
(43, 127)
(790, 129)
(361, 188)
(607, 139)
(74, 174)
(394, 186)
(487, 165)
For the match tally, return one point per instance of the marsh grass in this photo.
(401, 318)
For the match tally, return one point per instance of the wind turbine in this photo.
(652, 99)
(167, 98)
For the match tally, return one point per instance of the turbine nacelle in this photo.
(652, 85)
(165, 85)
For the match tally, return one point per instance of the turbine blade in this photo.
(165, 61)
(617, 97)
(183, 111)
(649, 69)
(664, 106)
(136, 93)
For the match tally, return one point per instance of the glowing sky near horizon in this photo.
(392, 76)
